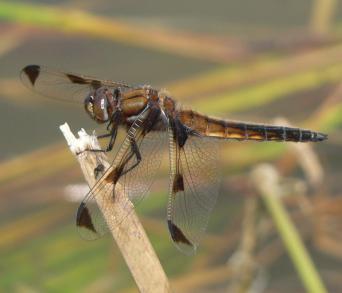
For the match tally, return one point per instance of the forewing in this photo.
(194, 186)
(135, 183)
(62, 85)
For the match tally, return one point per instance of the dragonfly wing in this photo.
(60, 85)
(194, 186)
(89, 218)
(126, 174)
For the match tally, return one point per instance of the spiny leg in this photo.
(111, 143)
(134, 151)
(104, 135)
(100, 168)
(112, 133)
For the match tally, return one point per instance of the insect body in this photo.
(154, 120)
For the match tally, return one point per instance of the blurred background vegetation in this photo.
(246, 60)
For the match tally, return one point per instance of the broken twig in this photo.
(129, 235)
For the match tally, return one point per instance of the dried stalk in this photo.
(265, 178)
(322, 15)
(245, 271)
(129, 235)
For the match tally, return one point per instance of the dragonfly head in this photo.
(99, 104)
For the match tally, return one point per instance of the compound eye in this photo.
(90, 107)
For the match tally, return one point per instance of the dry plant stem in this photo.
(130, 235)
(242, 262)
(322, 15)
(265, 178)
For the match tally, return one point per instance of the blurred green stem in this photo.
(265, 178)
(322, 16)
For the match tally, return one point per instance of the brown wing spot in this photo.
(114, 175)
(83, 218)
(178, 183)
(77, 79)
(32, 72)
(96, 84)
(176, 234)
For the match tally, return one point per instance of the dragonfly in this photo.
(154, 120)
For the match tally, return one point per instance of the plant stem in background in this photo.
(265, 178)
(322, 15)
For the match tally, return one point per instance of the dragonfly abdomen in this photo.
(219, 128)
(261, 132)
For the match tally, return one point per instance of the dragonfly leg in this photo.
(103, 135)
(112, 139)
(114, 122)
(120, 171)
(99, 169)
(112, 136)
(134, 151)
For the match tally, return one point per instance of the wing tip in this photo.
(83, 218)
(31, 73)
(180, 240)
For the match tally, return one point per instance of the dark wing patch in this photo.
(32, 72)
(178, 183)
(177, 235)
(77, 79)
(83, 218)
(115, 174)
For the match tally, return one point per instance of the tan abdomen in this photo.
(213, 127)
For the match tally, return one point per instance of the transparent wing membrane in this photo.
(64, 86)
(194, 186)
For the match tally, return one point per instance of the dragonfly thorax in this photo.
(100, 104)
